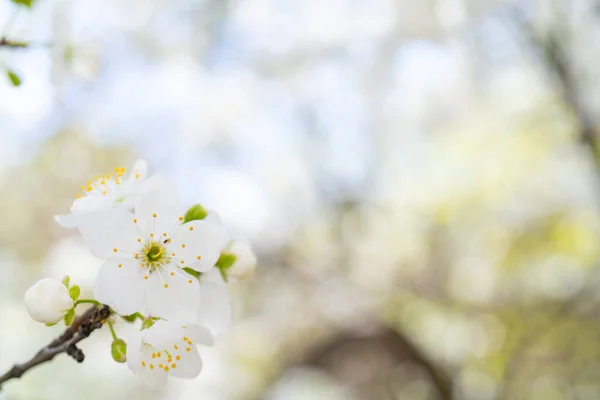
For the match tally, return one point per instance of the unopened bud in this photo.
(118, 350)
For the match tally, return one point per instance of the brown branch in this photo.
(12, 44)
(556, 61)
(399, 346)
(81, 328)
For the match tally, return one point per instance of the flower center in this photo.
(154, 255)
(155, 252)
(103, 184)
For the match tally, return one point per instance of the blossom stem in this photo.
(112, 329)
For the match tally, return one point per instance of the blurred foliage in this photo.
(412, 174)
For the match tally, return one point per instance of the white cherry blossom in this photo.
(147, 252)
(48, 301)
(167, 349)
(106, 191)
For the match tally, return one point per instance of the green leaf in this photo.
(66, 281)
(130, 318)
(52, 324)
(194, 213)
(74, 292)
(69, 317)
(147, 324)
(14, 78)
(192, 272)
(118, 350)
(26, 3)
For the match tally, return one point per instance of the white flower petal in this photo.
(198, 244)
(139, 171)
(213, 218)
(121, 285)
(134, 351)
(189, 366)
(109, 233)
(67, 220)
(91, 203)
(154, 377)
(161, 334)
(158, 207)
(199, 335)
(215, 307)
(173, 295)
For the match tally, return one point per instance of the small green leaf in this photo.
(66, 281)
(130, 318)
(14, 78)
(118, 350)
(74, 292)
(147, 324)
(52, 324)
(69, 317)
(192, 272)
(194, 213)
(26, 3)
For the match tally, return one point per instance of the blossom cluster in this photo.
(165, 266)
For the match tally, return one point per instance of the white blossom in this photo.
(106, 191)
(167, 349)
(245, 262)
(48, 301)
(147, 252)
(215, 310)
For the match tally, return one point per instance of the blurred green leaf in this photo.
(26, 3)
(14, 78)
(66, 281)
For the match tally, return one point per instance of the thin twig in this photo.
(12, 44)
(81, 328)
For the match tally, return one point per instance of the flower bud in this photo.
(48, 301)
(118, 350)
(244, 262)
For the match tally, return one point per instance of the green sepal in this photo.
(194, 213)
(74, 292)
(226, 260)
(66, 281)
(52, 324)
(14, 78)
(26, 3)
(192, 272)
(147, 324)
(69, 317)
(118, 350)
(130, 318)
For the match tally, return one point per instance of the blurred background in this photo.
(420, 180)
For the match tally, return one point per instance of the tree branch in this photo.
(80, 329)
(400, 347)
(13, 44)
(556, 62)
